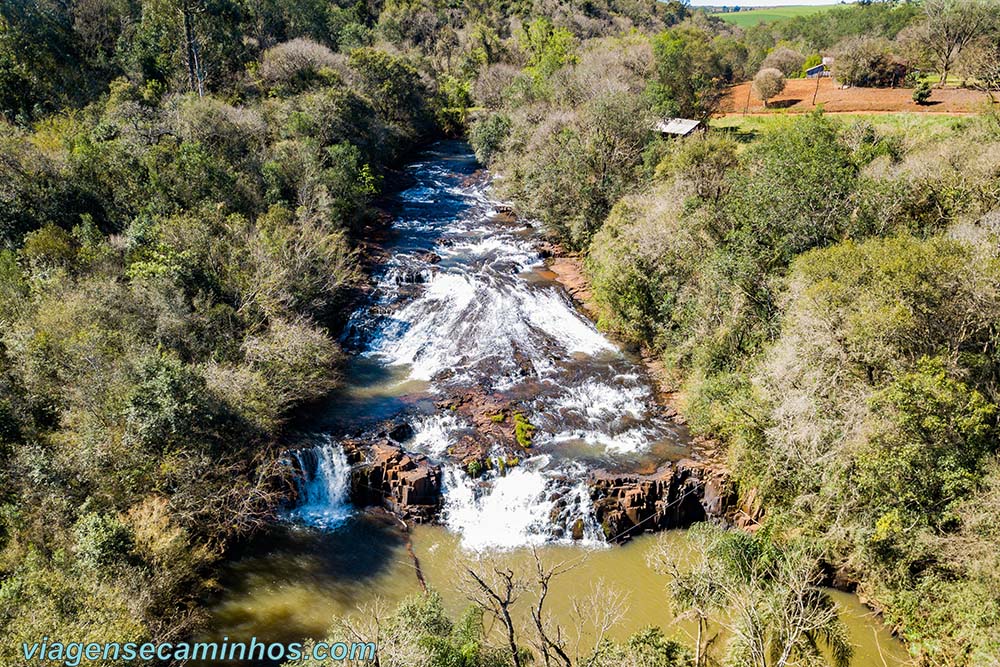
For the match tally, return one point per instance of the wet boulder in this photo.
(628, 504)
(408, 485)
(409, 276)
(578, 529)
(400, 432)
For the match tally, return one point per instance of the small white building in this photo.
(679, 127)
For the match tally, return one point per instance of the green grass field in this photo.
(916, 126)
(752, 17)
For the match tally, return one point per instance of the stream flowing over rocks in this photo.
(482, 398)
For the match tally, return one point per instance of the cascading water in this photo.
(460, 304)
(323, 486)
(432, 434)
(463, 302)
(525, 506)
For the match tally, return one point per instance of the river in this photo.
(463, 302)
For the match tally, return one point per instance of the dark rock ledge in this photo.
(675, 496)
(383, 474)
(678, 494)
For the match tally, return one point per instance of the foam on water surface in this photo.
(323, 485)
(470, 318)
(516, 509)
(433, 434)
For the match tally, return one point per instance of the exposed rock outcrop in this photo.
(678, 494)
(408, 485)
(429, 257)
(492, 418)
(675, 496)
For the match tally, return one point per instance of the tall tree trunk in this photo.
(189, 57)
(509, 622)
(191, 50)
(697, 646)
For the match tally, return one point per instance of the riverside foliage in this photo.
(186, 186)
(824, 293)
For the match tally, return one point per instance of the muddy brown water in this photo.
(296, 583)
(463, 301)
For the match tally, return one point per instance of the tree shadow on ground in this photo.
(783, 104)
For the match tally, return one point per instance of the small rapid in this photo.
(323, 485)
(462, 303)
(524, 506)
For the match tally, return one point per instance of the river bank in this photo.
(567, 268)
(468, 352)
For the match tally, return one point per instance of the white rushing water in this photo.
(324, 487)
(463, 323)
(433, 434)
(522, 507)
(459, 304)
(613, 417)
(472, 317)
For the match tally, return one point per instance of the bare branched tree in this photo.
(951, 26)
(495, 588)
(981, 63)
(550, 641)
(599, 611)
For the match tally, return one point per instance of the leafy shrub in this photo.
(297, 360)
(639, 263)
(298, 64)
(867, 61)
(578, 165)
(928, 443)
(922, 93)
(788, 61)
(488, 135)
(768, 83)
(392, 86)
(48, 249)
(549, 48)
(103, 541)
(775, 213)
(688, 79)
(354, 36)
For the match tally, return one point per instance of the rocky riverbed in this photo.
(483, 412)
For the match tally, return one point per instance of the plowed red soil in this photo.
(798, 97)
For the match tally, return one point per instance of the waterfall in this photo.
(323, 486)
(463, 302)
(526, 506)
(577, 514)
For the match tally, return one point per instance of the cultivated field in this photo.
(752, 17)
(798, 97)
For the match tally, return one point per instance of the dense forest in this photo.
(187, 188)
(823, 292)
